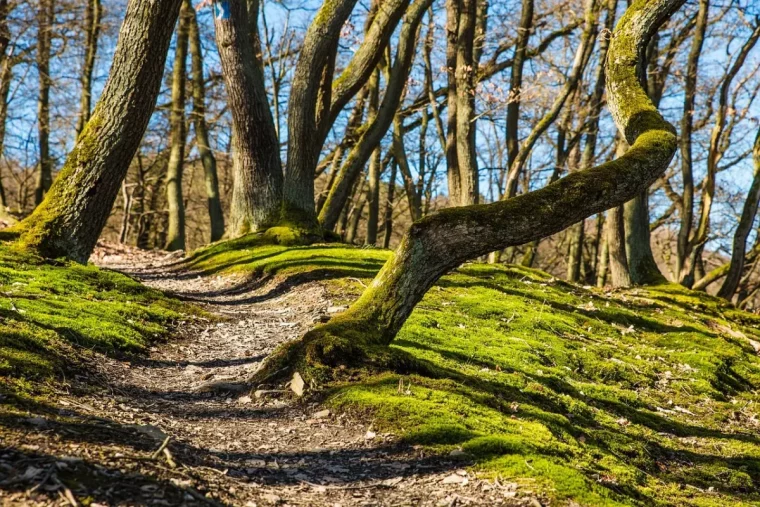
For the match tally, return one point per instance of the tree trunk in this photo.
(388, 216)
(6, 77)
(258, 180)
(216, 215)
(464, 74)
(687, 127)
(442, 241)
(93, 14)
(303, 124)
(70, 219)
(373, 197)
(515, 81)
(45, 20)
(175, 235)
(641, 264)
(618, 261)
(747, 220)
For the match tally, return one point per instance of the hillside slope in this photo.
(554, 392)
(634, 397)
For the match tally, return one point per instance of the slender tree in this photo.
(45, 20)
(746, 221)
(216, 215)
(175, 235)
(93, 15)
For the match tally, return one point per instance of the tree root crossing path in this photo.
(181, 427)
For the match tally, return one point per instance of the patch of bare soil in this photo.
(180, 427)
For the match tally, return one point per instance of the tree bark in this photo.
(747, 220)
(257, 171)
(641, 264)
(6, 77)
(303, 123)
(515, 80)
(687, 128)
(73, 213)
(93, 15)
(175, 234)
(442, 241)
(388, 215)
(45, 20)
(216, 215)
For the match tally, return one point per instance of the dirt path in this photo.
(225, 445)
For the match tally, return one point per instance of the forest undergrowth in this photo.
(644, 396)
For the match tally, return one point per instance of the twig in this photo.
(158, 452)
(67, 494)
(359, 282)
(170, 458)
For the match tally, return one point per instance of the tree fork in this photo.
(442, 241)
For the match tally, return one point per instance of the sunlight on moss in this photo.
(45, 308)
(645, 396)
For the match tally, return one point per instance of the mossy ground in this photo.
(51, 310)
(647, 396)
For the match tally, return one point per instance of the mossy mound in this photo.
(50, 310)
(647, 396)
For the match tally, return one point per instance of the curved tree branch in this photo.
(442, 241)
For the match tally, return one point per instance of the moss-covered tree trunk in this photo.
(70, 219)
(747, 220)
(45, 20)
(258, 180)
(93, 15)
(175, 234)
(442, 241)
(216, 215)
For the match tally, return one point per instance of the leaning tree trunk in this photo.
(70, 219)
(736, 267)
(442, 241)
(216, 215)
(257, 191)
(175, 234)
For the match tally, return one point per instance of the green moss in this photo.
(647, 396)
(44, 231)
(49, 311)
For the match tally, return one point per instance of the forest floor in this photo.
(94, 440)
(531, 391)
